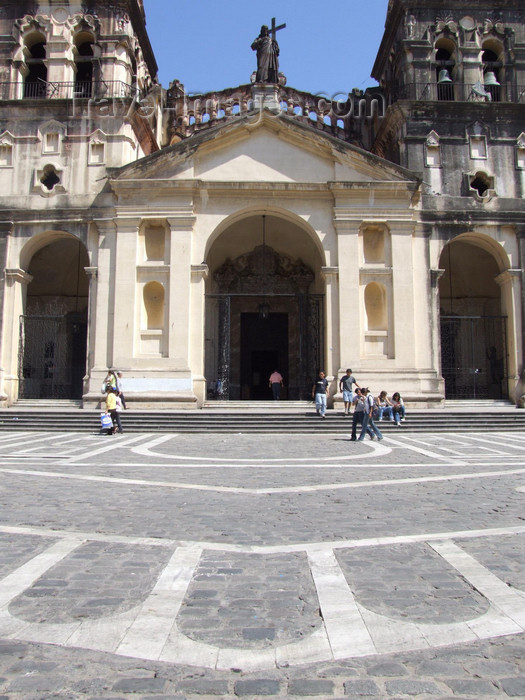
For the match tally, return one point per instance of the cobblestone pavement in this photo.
(262, 566)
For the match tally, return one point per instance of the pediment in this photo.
(264, 148)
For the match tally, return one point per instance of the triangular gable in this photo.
(264, 148)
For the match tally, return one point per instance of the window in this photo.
(433, 151)
(482, 184)
(96, 153)
(49, 177)
(445, 64)
(35, 85)
(84, 66)
(51, 143)
(6, 155)
(478, 147)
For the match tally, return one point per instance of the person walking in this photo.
(358, 415)
(111, 408)
(345, 385)
(319, 390)
(275, 383)
(368, 421)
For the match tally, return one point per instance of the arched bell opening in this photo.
(264, 309)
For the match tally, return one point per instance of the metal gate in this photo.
(51, 357)
(474, 356)
(309, 346)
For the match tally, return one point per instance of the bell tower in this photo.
(454, 82)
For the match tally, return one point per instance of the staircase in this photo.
(261, 417)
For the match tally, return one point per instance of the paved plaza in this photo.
(262, 566)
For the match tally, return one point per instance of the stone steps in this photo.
(299, 420)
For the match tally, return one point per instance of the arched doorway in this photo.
(53, 328)
(264, 310)
(474, 342)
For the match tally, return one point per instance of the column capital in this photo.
(91, 272)
(436, 275)
(18, 275)
(507, 276)
(200, 272)
(127, 222)
(184, 222)
(330, 274)
(6, 227)
(105, 226)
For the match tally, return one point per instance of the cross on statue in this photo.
(273, 29)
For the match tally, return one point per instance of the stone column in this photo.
(180, 310)
(5, 232)
(100, 311)
(332, 321)
(521, 339)
(435, 276)
(403, 290)
(124, 285)
(471, 65)
(91, 272)
(511, 286)
(199, 274)
(16, 289)
(349, 299)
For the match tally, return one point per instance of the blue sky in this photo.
(326, 47)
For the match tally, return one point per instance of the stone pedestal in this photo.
(266, 96)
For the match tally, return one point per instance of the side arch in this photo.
(52, 332)
(479, 318)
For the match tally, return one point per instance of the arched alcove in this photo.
(153, 296)
(35, 83)
(84, 43)
(152, 239)
(445, 65)
(376, 307)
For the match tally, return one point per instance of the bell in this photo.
(490, 78)
(444, 77)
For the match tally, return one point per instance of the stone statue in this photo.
(267, 57)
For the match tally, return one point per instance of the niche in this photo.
(374, 246)
(153, 295)
(375, 307)
(153, 242)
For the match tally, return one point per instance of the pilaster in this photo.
(349, 304)
(510, 282)
(332, 355)
(403, 290)
(179, 292)
(124, 288)
(101, 306)
(199, 274)
(5, 232)
(16, 281)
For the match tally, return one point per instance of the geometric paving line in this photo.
(150, 630)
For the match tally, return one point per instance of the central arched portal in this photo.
(264, 310)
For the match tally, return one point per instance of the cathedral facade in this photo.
(197, 243)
